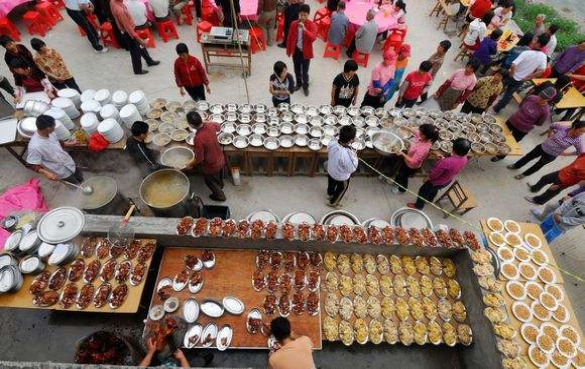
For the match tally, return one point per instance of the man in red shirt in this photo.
(190, 74)
(561, 179)
(299, 45)
(208, 153)
(414, 85)
(479, 7)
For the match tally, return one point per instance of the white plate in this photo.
(539, 257)
(554, 279)
(190, 310)
(533, 238)
(157, 312)
(195, 288)
(508, 276)
(212, 309)
(501, 251)
(195, 332)
(549, 287)
(233, 305)
(517, 298)
(510, 223)
(226, 333)
(551, 308)
(503, 243)
(569, 327)
(171, 304)
(495, 229)
(518, 251)
(530, 354)
(209, 335)
(518, 303)
(530, 266)
(542, 319)
(524, 326)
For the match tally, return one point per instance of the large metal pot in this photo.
(166, 192)
(105, 198)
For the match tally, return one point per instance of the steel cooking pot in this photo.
(166, 192)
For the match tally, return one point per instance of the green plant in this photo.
(568, 33)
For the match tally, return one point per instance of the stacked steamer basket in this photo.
(61, 115)
(138, 98)
(67, 106)
(111, 130)
(72, 95)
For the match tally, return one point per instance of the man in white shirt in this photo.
(552, 44)
(528, 65)
(76, 9)
(46, 155)
(160, 8)
(477, 30)
(137, 11)
(342, 161)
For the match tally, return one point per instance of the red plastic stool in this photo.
(35, 23)
(49, 12)
(320, 14)
(361, 58)
(258, 43)
(323, 28)
(332, 51)
(92, 19)
(8, 28)
(280, 28)
(59, 4)
(166, 30)
(108, 37)
(348, 38)
(203, 27)
(187, 11)
(146, 34)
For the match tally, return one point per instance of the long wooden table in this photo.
(572, 98)
(231, 276)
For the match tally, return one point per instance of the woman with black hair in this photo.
(485, 92)
(458, 87)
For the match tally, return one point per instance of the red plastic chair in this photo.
(146, 34)
(35, 23)
(320, 14)
(257, 40)
(361, 58)
(394, 40)
(332, 51)
(92, 19)
(323, 28)
(49, 12)
(203, 27)
(166, 30)
(208, 13)
(8, 28)
(108, 37)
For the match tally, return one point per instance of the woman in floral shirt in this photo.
(484, 94)
(52, 64)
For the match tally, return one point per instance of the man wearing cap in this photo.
(534, 111)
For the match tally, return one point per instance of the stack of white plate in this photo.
(70, 94)
(61, 131)
(129, 114)
(103, 97)
(10, 279)
(59, 114)
(139, 99)
(91, 106)
(87, 95)
(111, 130)
(67, 105)
(63, 253)
(89, 123)
(110, 111)
(119, 99)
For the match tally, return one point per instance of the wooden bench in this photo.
(461, 198)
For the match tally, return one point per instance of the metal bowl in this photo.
(400, 122)
(273, 131)
(287, 116)
(372, 121)
(154, 113)
(317, 132)
(316, 121)
(231, 107)
(274, 121)
(166, 128)
(496, 128)
(260, 118)
(411, 218)
(473, 137)
(446, 146)
(383, 113)
(271, 143)
(315, 144)
(301, 141)
(225, 138)
(231, 116)
(161, 139)
(340, 217)
(297, 108)
(326, 139)
(491, 148)
(217, 118)
(477, 147)
(179, 135)
(201, 105)
(287, 128)
(241, 142)
(180, 185)
(282, 107)
(345, 120)
(360, 134)
(255, 140)
(259, 128)
(445, 135)
(371, 130)
(272, 112)
(353, 111)
(330, 131)
(358, 145)
(158, 103)
(504, 149)
(260, 108)
(286, 141)
(216, 109)
(228, 127)
(498, 138)
(246, 109)
(330, 120)
(168, 117)
(408, 113)
(368, 110)
(489, 119)
(387, 143)
(177, 157)
(435, 114)
(485, 137)
(359, 121)
(244, 129)
(422, 112)
(339, 110)
(301, 118)
(245, 118)
(326, 109)
(302, 129)
(312, 111)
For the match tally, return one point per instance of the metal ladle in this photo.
(86, 190)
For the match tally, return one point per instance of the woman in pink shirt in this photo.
(458, 87)
(424, 138)
(382, 78)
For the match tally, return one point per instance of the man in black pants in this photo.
(136, 45)
(76, 10)
(291, 14)
(342, 161)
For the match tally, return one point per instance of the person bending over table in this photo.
(299, 45)
(414, 85)
(365, 37)
(443, 173)
(295, 352)
(46, 155)
(143, 157)
(569, 176)
(437, 61)
(342, 161)
(209, 154)
(52, 64)
(560, 138)
(484, 93)
(569, 60)
(282, 84)
(190, 74)
(458, 87)
(345, 87)
(338, 27)
(381, 82)
(559, 85)
(561, 216)
(28, 79)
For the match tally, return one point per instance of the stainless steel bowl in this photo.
(245, 118)
(177, 157)
(271, 143)
(244, 129)
(259, 128)
(287, 128)
(302, 129)
(255, 140)
(225, 138)
(228, 127)
(387, 143)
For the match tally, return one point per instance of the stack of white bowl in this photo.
(91, 106)
(139, 99)
(109, 111)
(87, 95)
(61, 131)
(103, 97)
(89, 123)
(67, 105)
(129, 115)
(72, 95)
(60, 115)
(111, 130)
(119, 99)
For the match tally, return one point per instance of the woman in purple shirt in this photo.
(443, 173)
(487, 48)
(560, 137)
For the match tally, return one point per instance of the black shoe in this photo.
(215, 198)
(306, 90)
(298, 87)
(153, 63)
(282, 45)
(142, 72)
(495, 159)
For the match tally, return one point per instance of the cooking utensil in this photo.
(121, 234)
(86, 190)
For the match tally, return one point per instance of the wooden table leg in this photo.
(16, 155)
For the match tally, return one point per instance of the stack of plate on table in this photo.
(10, 279)
(63, 254)
(138, 98)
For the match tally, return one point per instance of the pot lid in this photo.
(104, 190)
(61, 224)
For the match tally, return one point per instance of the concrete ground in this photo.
(49, 336)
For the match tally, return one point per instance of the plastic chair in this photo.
(332, 51)
(257, 40)
(49, 12)
(320, 14)
(92, 19)
(203, 27)
(146, 34)
(394, 40)
(35, 23)
(361, 58)
(108, 37)
(323, 28)
(166, 30)
(8, 28)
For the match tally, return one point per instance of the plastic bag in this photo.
(97, 142)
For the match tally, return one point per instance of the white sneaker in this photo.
(102, 51)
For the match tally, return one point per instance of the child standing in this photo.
(282, 84)
(414, 85)
(401, 64)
